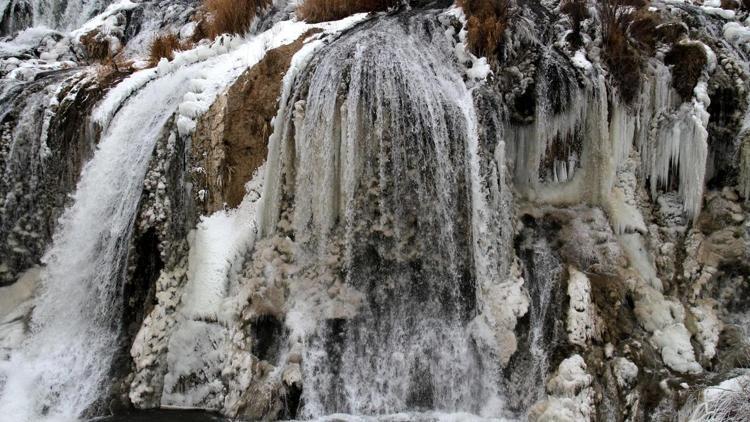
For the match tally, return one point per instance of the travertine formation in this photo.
(363, 217)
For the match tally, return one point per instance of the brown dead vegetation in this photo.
(214, 18)
(688, 61)
(620, 53)
(643, 29)
(730, 4)
(328, 10)
(230, 141)
(113, 69)
(163, 47)
(95, 46)
(672, 32)
(486, 23)
(578, 12)
(228, 16)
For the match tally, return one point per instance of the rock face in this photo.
(48, 136)
(370, 219)
(231, 139)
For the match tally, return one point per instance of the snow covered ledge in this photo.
(570, 396)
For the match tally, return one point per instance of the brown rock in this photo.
(717, 214)
(721, 247)
(231, 139)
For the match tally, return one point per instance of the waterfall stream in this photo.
(378, 169)
(61, 369)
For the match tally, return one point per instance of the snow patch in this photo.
(582, 319)
(665, 320)
(216, 246)
(570, 396)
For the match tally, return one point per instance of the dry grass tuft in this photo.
(228, 16)
(578, 12)
(725, 404)
(672, 32)
(314, 11)
(621, 56)
(486, 25)
(643, 29)
(730, 4)
(108, 70)
(163, 47)
(688, 61)
(96, 47)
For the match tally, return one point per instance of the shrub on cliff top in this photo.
(688, 61)
(95, 46)
(227, 17)
(486, 23)
(622, 58)
(328, 10)
(578, 12)
(163, 46)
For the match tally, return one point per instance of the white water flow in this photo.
(380, 162)
(62, 368)
(66, 15)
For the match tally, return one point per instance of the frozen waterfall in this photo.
(381, 170)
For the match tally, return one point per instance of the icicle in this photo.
(676, 144)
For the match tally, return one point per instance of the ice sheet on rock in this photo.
(14, 295)
(196, 353)
(570, 396)
(664, 319)
(66, 15)
(25, 41)
(708, 327)
(101, 21)
(582, 318)
(218, 243)
(737, 34)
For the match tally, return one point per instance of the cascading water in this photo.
(543, 274)
(377, 167)
(60, 371)
(370, 269)
(55, 14)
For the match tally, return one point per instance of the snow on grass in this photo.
(708, 327)
(727, 401)
(226, 58)
(625, 371)
(480, 68)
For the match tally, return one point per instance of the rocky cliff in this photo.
(515, 210)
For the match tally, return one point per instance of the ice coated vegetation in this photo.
(375, 210)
